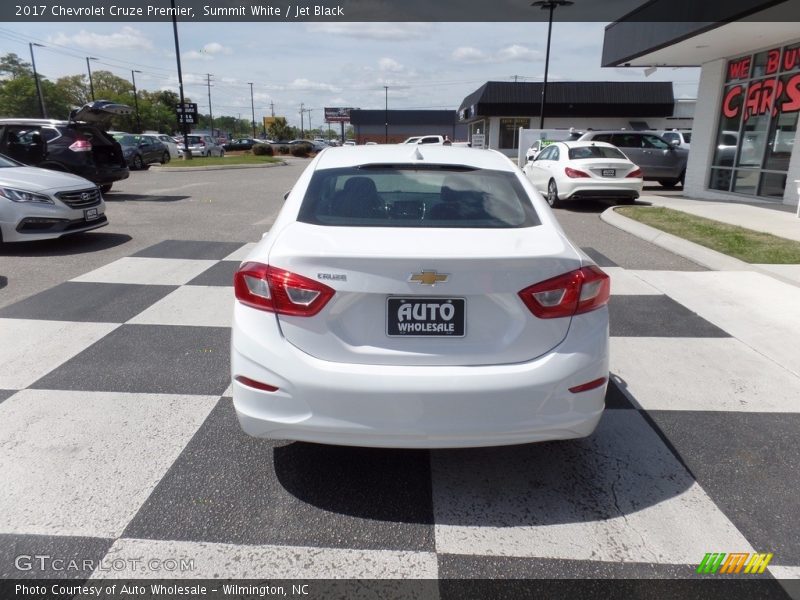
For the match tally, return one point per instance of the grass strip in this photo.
(745, 244)
(214, 161)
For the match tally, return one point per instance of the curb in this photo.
(216, 167)
(705, 257)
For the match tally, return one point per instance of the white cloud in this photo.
(512, 53)
(207, 52)
(390, 65)
(374, 31)
(128, 38)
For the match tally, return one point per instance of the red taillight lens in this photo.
(265, 387)
(637, 173)
(572, 293)
(81, 146)
(275, 290)
(575, 173)
(589, 385)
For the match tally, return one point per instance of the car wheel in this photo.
(627, 201)
(669, 183)
(106, 188)
(552, 194)
(137, 163)
(165, 158)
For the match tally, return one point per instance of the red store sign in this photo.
(762, 96)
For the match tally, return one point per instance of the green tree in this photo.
(12, 66)
(280, 130)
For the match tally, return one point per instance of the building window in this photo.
(509, 132)
(758, 123)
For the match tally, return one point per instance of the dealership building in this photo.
(745, 142)
(395, 126)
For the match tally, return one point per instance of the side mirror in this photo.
(674, 143)
(286, 195)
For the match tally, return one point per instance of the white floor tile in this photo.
(30, 348)
(82, 463)
(206, 306)
(624, 282)
(619, 495)
(229, 561)
(148, 271)
(241, 253)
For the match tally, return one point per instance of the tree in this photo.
(279, 129)
(75, 89)
(12, 66)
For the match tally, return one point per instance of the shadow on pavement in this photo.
(114, 197)
(78, 243)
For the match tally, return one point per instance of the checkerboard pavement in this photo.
(118, 439)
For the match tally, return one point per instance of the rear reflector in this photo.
(575, 173)
(589, 385)
(255, 384)
(572, 293)
(275, 290)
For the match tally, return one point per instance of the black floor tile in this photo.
(657, 316)
(190, 249)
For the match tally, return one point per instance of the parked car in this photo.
(38, 204)
(573, 170)
(425, 302)
(241, 144)
(677, 137)
(141, 151)
(79, 145)
(349, 143)
(657, 158)
(315, 146)
(169, 143)
(202, 145)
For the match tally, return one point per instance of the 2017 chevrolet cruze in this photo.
(418, 297)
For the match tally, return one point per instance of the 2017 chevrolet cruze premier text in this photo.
(418, 297)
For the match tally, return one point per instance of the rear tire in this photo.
(552, 194)
(669, 183)
(626, 201)
(137, 163)
(105, 188)
(165, 159)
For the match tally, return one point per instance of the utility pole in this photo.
(302, 132)
(551, 6)
(252, 110)
(89, 68)
(272, 108)
(386, 115)
(210, 114)
(136, 101)
(36, 77)
(187, 154)
(310, 129)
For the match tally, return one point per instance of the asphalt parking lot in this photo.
(118, 437)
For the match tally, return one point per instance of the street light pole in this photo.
(136, 101)
(549, 5)
(187, 154)
(89, 68)
(252, 110)
(386, 115)
(36, 78)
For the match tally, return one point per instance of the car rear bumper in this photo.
(600, 189)
(417, 406)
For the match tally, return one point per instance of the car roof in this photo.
(584, 143)
(353, 156)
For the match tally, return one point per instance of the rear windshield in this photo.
(195, 139)
(414, 196)
(583, 152)
(125, 140)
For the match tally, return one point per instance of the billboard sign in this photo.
(337, 115)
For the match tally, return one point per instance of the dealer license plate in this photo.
(609, 172)
(425, 317)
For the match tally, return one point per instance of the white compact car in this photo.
(418, 297)
(586, 170)
(38, 204)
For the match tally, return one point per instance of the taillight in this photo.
(575, 173)
(201, 143)
(81, 146)
(572, 293)
(275, 290)
(637, 173)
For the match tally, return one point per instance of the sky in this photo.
(424, 65)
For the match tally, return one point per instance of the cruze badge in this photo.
(428, 277)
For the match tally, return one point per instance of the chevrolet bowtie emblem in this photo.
(428, 277)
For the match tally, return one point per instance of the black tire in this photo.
(137, 163)
(106, 187)
(627, 201)
(165, 158)
(669, 183)
(552, 194)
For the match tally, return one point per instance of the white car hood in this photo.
(34, 179)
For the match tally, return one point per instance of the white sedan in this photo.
(418, 297)
(591, 170)
(38, 204)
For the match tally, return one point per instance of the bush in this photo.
(283, 149)
(302, 150)
(262, 150)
